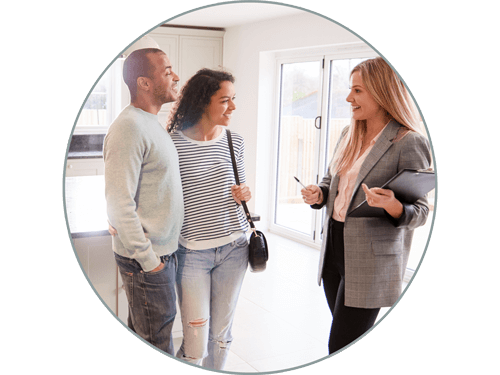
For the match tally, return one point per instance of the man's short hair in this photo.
(136, 65)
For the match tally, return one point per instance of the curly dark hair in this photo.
(195, 97)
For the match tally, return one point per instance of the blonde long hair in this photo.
(390, 93)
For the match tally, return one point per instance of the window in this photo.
(312, 113)
(103, 104)
(300, 104)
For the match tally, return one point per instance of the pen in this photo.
(299, 182)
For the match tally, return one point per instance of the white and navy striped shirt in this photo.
(211, 216)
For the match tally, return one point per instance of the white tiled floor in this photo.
(282, 319)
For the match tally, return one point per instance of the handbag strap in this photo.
(235, 169)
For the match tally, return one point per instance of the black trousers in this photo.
(349, 323)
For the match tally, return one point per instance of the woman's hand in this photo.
(312, 194)
(383, 198)
(241, 193)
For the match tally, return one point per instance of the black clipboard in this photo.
(408, 186)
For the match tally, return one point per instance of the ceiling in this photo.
(234, 14)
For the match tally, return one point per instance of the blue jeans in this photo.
(151, 300)
(208, 285)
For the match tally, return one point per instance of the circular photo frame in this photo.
(293, 94)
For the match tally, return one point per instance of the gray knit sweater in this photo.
(143, 187)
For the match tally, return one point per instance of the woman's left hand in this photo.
(241, 193)
(383, 198)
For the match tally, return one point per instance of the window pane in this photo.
(300, 85)
(94, 110)
(339, 110)
(98, 109)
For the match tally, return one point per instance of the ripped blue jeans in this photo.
(208, 285)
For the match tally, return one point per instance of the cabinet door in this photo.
(84, 167)
(196, 52)
(96, 257)
(170, 45)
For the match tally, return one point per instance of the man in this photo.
(144, 197)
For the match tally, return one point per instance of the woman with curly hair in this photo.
(213, 247)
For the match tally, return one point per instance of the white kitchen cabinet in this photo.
(84, 167)
(97, 260)
(188, 50)
(198, 52)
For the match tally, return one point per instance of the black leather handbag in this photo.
(258, 251)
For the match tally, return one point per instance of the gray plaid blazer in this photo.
(377, 248)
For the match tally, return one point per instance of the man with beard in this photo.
(144, 197)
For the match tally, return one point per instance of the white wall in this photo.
(248, 54)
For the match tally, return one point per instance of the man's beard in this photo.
(163, 95)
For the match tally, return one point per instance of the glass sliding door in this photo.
(298, 137)
(312, 113)
(339, 110)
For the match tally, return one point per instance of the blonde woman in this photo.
(363, 259)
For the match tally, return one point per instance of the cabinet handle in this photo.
(70, 166)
